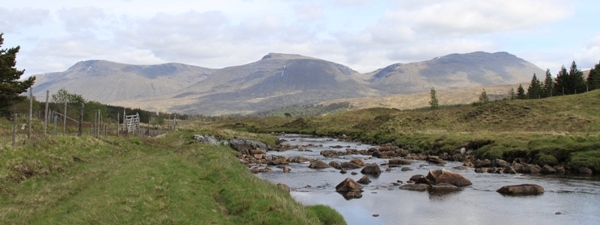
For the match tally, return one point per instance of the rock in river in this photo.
(521, 189)
(349, 188)
(371, 168)
(445, 176)
(318, 164)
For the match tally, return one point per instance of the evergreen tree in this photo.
(562, 83)
(10, 86)
(593, 79)
(521, 92)
(548, 86)
(535, 88)
(577, 79)
(433, 102)
(483, 98)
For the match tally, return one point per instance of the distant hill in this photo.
(108, 82)
(454, 71)
(275, 81)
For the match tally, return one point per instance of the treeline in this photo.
(565, 83)
(73, 103)
(305, 110)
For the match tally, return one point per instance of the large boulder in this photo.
(318, 164)
(585, 170)
(521, 189)
(206, 139)
(349, 188)
(445, 176)
(244, 146)
(372, 169)
(546, 169)
(435, 160)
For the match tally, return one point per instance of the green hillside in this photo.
(566, 128)
(165, 180)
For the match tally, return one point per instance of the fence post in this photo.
(65, 119)
(55, 119)
(118, 125)
(14, 133)
(80, 131)
(46, 113)
(30, 111)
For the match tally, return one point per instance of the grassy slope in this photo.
(566, 128)
(72, 180)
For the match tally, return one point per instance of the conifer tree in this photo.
(593, 79)
(548, 86)
(521, 92)
(562, 83)
(535, 88)
(511, 94)
(433, 102)
(10, 86)
(577, 79)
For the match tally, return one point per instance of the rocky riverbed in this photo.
(314, 168)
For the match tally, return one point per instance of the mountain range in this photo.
(275, 81)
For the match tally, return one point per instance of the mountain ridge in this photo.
(276, 80)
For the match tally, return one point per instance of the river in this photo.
(567, 199)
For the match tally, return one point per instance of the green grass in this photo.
(553, 130)
(167, 180)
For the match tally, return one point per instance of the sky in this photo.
(363, 34)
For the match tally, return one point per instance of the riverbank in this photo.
(561, 130)
(165, 180)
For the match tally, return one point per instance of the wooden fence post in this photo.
(30, 111)
(80, 130)
(65, 119)
(46, 113)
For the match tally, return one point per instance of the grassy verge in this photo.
(168, 180)
(559, 130)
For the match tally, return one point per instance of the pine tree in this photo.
(10, 86)
(535, 88)
(577, 79)
(483, 98)
(521, 92)
(548, 86)
(593, 79)
(562, 83)
(433, 102)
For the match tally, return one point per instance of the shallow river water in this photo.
(567, 199)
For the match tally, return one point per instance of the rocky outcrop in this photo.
(521, 189)
(206, 139)
(419, 179)
(244, 146)
(318, 164)
(349, 189)
(448, 177)
(371, 169)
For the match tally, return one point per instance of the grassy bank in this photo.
(559, 130)
(167, 180)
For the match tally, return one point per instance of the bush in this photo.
(543, 159)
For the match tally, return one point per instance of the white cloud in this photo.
(589, 55)
(15, 20)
